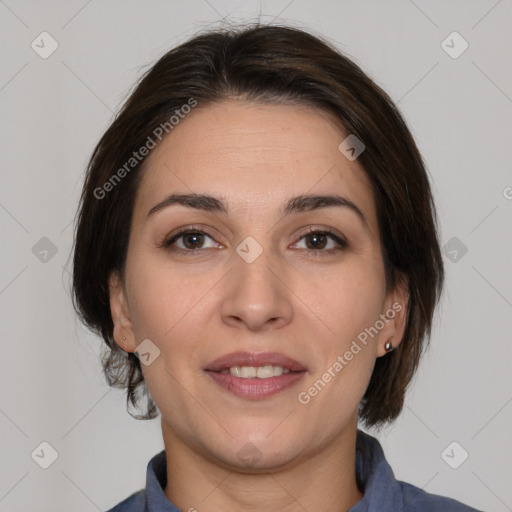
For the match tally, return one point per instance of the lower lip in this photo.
(256, 388)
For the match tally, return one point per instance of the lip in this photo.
(255, 388)
(255, 359)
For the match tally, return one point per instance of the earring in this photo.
(388, 346)
(124, 338)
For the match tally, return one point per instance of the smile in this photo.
(255, 375)
(261, 372)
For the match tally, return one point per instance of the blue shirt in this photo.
(382, 491)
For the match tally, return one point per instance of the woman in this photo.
(257, 246)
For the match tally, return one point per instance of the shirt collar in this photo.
(373, 474)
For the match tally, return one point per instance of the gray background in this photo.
(53, 112)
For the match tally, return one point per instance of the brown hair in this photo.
(266, 64)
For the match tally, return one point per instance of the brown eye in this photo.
(316, 241)
(321, 242)
(193, 240)
(190, 241)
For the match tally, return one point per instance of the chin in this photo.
(256, 457)
(249, 450)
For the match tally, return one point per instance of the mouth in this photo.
(255, 376)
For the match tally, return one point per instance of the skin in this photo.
(309, 306)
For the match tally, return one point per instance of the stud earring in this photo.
(388, 346)
(124, 338)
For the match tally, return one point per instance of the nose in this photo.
(256, 295)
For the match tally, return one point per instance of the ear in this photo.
(123, 331)
(395, 315)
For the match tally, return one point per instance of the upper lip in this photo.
(253, 359)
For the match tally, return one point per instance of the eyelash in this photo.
(342, 243)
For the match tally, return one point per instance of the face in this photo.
(251, 278)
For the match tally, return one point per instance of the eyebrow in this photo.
(297, 204)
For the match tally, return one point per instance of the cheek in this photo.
(164, 299)
(349, 303)
(350, 300)
(169, 308)
(172, 308)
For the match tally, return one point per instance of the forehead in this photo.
(254, 156)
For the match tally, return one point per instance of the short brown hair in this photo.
(268, 64)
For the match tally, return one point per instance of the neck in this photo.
(324, 481)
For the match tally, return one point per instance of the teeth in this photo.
(261, 372)
(246, 372)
